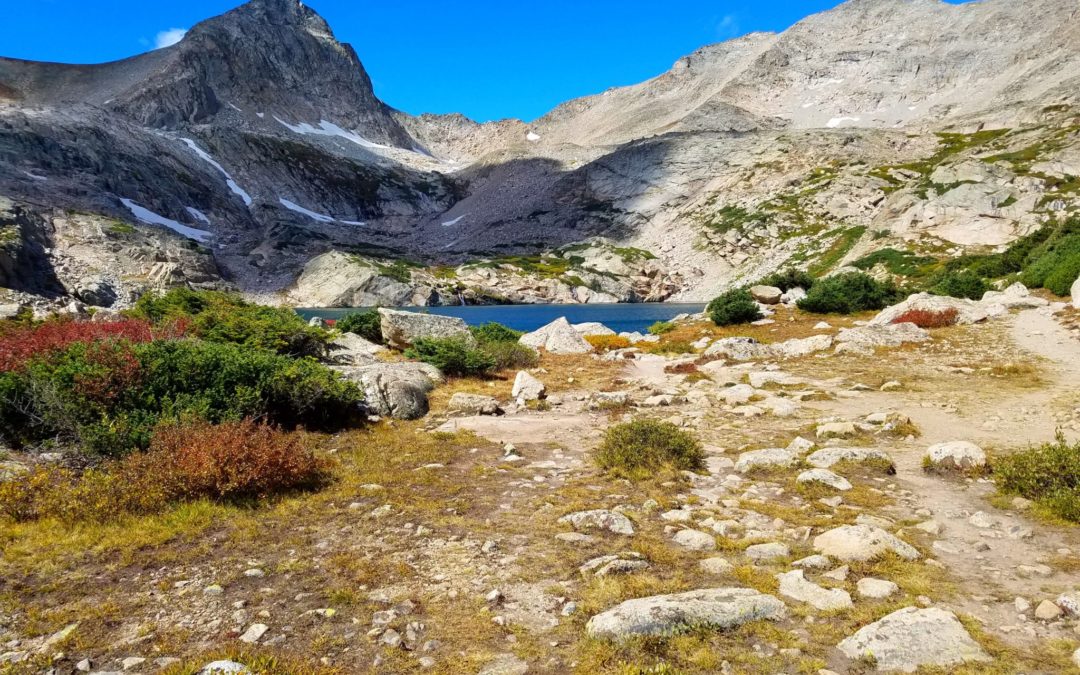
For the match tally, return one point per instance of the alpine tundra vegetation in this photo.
(859, 452)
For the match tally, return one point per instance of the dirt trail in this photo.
(986, 560)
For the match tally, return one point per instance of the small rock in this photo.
(695, 540)
(254, 633)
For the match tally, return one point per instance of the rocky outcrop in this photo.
(401, 329)
(912, 638)
(717, 608)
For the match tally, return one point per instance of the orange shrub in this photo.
(229, 461)
(232, 460)
(607, 343)
(929, 319)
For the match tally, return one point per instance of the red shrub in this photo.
(21, 344)
(112, 369)
(231, 460)
(929, 319)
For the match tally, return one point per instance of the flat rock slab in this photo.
(862, 543)
(600, 519)
(912, 638)
(719, 608)
(401, 329)
(795, 586)
(828, 457)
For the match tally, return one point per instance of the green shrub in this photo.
(735, 306)
(507, 355)
(788, 279)
(962, 284)
(453, 356)
(662, 328)
(1048, 474)
(109, 396)
(903, 263)
(367, 325)
(1048, 258)
(641, 448)
(494, 332)
(848, 293)
(225, 317)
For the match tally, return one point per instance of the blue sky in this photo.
(488, 59)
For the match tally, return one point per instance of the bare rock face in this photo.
(719, 608)
(401, 329)
(911, 638)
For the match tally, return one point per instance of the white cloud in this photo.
(167, 38)
(728, 26)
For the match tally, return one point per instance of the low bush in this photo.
(510, 355)
(671, 347)
(661, 328)
(607, 343)
(494, 332)
(734, 307)
(240, 460)
(1048, 474)
(639, 449)
(929, 319)
(961, 284)
(367, 325)
(109, 396)
(788, 279)
(848, 293)
(225, 317)
(453, 356)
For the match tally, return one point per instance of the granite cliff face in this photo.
(913, 124)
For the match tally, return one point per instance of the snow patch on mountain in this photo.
(147, 216)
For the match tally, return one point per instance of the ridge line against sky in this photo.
(485, 59)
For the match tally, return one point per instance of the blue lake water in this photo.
(627, 317)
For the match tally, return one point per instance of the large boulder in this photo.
(766, 295)
(599, 519)
(865, 339)
(474, 404)
(720, 608)
(558, 337)
(592, 328)
(1016, 296)
(738, 349)
(793, 349)
(1076, 294)
(956, 456)
(528, 388)
(766, 459)
(912, 638)
(967, 311)
(861, 543)
(401, 329)
(397, 390)
(349, 349)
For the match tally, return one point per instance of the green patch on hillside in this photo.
(901, 263)
(736, 218)
(949, 145)
(830, 257)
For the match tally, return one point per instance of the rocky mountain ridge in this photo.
(911, 124)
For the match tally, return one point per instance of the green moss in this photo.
(632, 255)
(118, 227)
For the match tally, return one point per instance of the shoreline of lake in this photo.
(620, 317)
